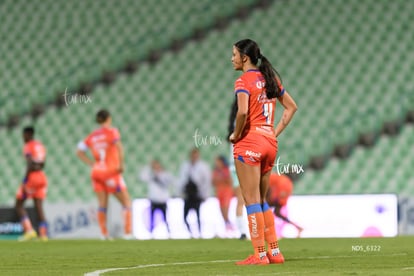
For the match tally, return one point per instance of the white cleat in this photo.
(107, 238)
(128, 237)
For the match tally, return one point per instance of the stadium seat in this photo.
(348, 69)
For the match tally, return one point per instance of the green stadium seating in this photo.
(386, 168)
(50, 45)
(348, 69)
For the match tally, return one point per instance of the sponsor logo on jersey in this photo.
(260, 84)
(97, 137)
(253, 154)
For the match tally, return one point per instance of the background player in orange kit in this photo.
(34, 185)
(224, 188)
(280, 189)
(107, 166)
(255, 144)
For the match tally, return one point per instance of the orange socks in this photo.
(269, 231)
(127, 215)
(27, 225)
(256, 227)
(102, 221)
(127, 220)
(43, 229)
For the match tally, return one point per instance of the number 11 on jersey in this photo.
(268, 112)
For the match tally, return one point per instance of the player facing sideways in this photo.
(240, 220)
(107, 166)
(224, 189)
(34, 185)
(280, 189)
(255, 144)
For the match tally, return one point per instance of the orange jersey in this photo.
(101, 142)
(35, 150)
(280, 188)
(35, 184)
(222, 178)
(261, 109)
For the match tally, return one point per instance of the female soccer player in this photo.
(224, 188)
(107, 167)
(255, 144)
(280, 189)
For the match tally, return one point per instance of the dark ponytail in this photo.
(250, 48)
(269, 74)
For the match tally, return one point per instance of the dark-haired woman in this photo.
(255, 144)
(106, 170)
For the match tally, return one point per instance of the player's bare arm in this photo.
(241, 116)
(84, 158)
(29, 169)
(290, 108)
(279, 214)
(286, 219)
(120, 149)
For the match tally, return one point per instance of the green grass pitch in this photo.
(370, 256)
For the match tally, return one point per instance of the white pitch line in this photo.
(408, 268)
(100, 272)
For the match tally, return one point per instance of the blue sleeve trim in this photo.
(281, 93)
(242, 91)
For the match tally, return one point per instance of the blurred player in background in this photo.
(280, 189)
(158, 181)
(106, 170)
(195, 183)
(255, 144)
(34, 185)
(240, 220)
(224, 188)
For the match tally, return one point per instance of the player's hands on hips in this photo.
(233, 138)
(121, 169)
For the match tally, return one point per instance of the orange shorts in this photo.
(107, 181)
(35, 186)
(224, 195)
(256, 150)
